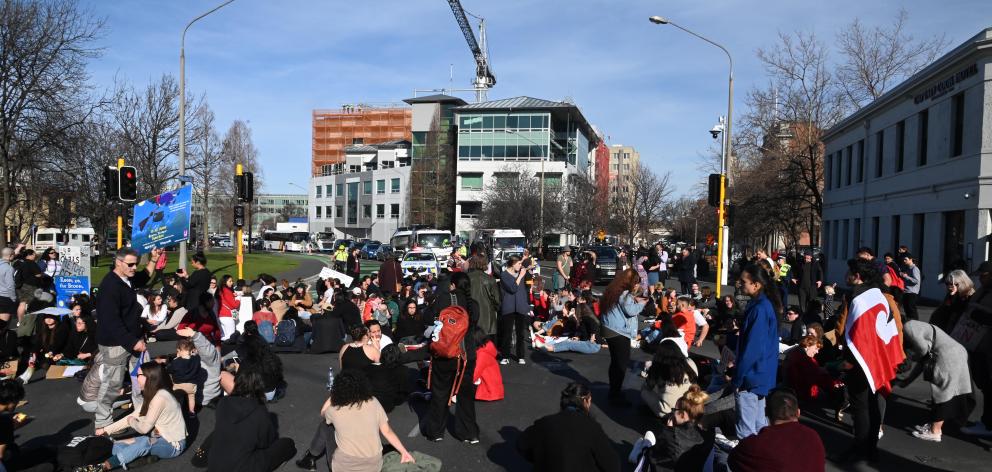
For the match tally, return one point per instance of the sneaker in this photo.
(977, 429)
(649, 439)
(504, 361)
(521, 361)
(437, 439)
(471, 441)
(635, 453)
(307, 462)
(927, 435)
(880, 433)
(922, 427)
(724, 442)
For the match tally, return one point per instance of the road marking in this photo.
(415, 431)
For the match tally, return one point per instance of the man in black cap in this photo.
(809, 278)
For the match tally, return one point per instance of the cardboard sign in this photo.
(75, 261)
(244, 312)
(329, 273)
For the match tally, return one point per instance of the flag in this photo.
(873, 337)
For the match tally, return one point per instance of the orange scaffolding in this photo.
(334, 130)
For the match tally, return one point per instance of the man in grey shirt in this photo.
(8, 291)
(910, 274)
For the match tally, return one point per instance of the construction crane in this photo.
(484, 77)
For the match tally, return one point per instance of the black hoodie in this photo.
(243, 430)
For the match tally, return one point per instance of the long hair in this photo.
(350, 388)
(573, 396)
(156, 378)
(760, 276)
(960, 279)
(624, 281)
(249, 383)
(669, 366)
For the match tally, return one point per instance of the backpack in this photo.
(84, 450)
(268, 333)
(448, 342)
(285, 333)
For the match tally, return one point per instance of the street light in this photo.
(724, 235)
(540, 223)
(299, 187)
(182, 113)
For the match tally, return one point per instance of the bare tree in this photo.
(513, 200)
(291, 210)
(636, 208)
(583, 210)
(237, 147)
(205, 163)
(874, 59)
(44, 47)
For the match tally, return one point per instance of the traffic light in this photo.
(246, 186)
(239, 216)
(128, 221)
(728, 216)
(714, 190)
(111, 181)
(128, 184)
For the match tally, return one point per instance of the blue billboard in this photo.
(66, 287)
(162, 220)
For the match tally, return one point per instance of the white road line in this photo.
(415, 431)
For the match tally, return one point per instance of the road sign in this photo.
(601, 235)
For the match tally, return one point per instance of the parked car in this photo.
(383, 251)
(607, 258)
(420, 261)
(369, 249)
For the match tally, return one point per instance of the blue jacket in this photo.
(622, 318)
(515, 299)
(757, 348)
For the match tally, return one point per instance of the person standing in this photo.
(390, 275)
(757, 351)
(118, 334)
(663, 268)
(28, 279)
(485, 293)
(340, 258)
(809, 278)
(8, 288)
(227, 305)
(563, 269)
(870, 328)
(652, 267)
(620, 308)
(447, 376)
(980, 357)
(354, 265)
(513, 309)
(687, 270)
(910, 275)
(197, 283)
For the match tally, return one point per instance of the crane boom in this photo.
(484, 77)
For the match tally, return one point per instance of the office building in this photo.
(912, 168)
(432, 197)
(623, 163)
(333, 130)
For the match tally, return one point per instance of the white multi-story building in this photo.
(499, 139)
(910, 169)
(366, 196)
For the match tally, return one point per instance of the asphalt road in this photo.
(532, 391)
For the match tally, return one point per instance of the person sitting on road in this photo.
(580, 332)
(255, 353)
(159, 422)
(389, 378)
(360, 353)
(81, 345)
(668, 378)
(680, 443)
(784, 445)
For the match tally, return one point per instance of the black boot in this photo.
(307, 462)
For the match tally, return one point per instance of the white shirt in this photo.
(700, 320)
(664, 261)
(384, 341)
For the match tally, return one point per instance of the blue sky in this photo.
(652, 87)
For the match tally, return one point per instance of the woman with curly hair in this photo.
(358, 420)
(256, 355)
(620, 308)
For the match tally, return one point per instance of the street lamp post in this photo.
(724, 235)
(182, 113)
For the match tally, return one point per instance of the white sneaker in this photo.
(922, 427)
(880, 433)
(977, 429)
(649, 438)
(635, 453)
(504, 361)
(521, 361)
(927, 435)
(724, 443)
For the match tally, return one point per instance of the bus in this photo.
(294, 241)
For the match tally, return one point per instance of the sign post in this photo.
(239, 171)
(120, 213)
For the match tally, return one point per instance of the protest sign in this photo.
(67, 286)
(162, 220)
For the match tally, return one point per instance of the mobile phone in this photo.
(20, 417)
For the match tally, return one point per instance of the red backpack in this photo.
(449, 339)
(448, 342)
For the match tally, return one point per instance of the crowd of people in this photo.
(441, 339)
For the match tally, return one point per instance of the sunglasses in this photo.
(132, 264)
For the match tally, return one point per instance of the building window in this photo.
(394, 210)
(879, 150)
(318, 191)
(827, 242)
(339, 211)
(328, 212)
(327, 190)
(506, 179)
(957, 125)
(922, 137)
(875, 222)
(552, 180)
(352, 201)
(828, 166)
(471, 210)
(394, 185)
(847, 165)
(857, 232)
(900, 147)
(838, 171)
(340, 191)
(896, 236)
(380, 211)
(357, 140)
(366, 211)
(380, 186)
(471, 181)
(318, 213)
(861, 161)
(919, 225)
(846, 238)
(367, 187)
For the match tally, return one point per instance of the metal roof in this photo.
(437, 98)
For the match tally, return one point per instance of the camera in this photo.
(716, 130)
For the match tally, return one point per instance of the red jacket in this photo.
(227, 302)
(205, 326)
(487, 370)
(805, 376)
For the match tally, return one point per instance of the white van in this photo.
(55, 238)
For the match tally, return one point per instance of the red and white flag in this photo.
(873, 337)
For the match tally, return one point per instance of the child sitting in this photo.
(185, 370)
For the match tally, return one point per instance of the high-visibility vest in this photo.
(783, 270)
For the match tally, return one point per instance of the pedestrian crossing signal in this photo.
(246, 186)
(239, 216)
(714, 190)
(111, 181)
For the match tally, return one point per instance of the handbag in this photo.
(969, 332)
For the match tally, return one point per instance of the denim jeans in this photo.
(750, 413)
(584, 347)
(146, 446)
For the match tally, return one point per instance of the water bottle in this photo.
(330, 378)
